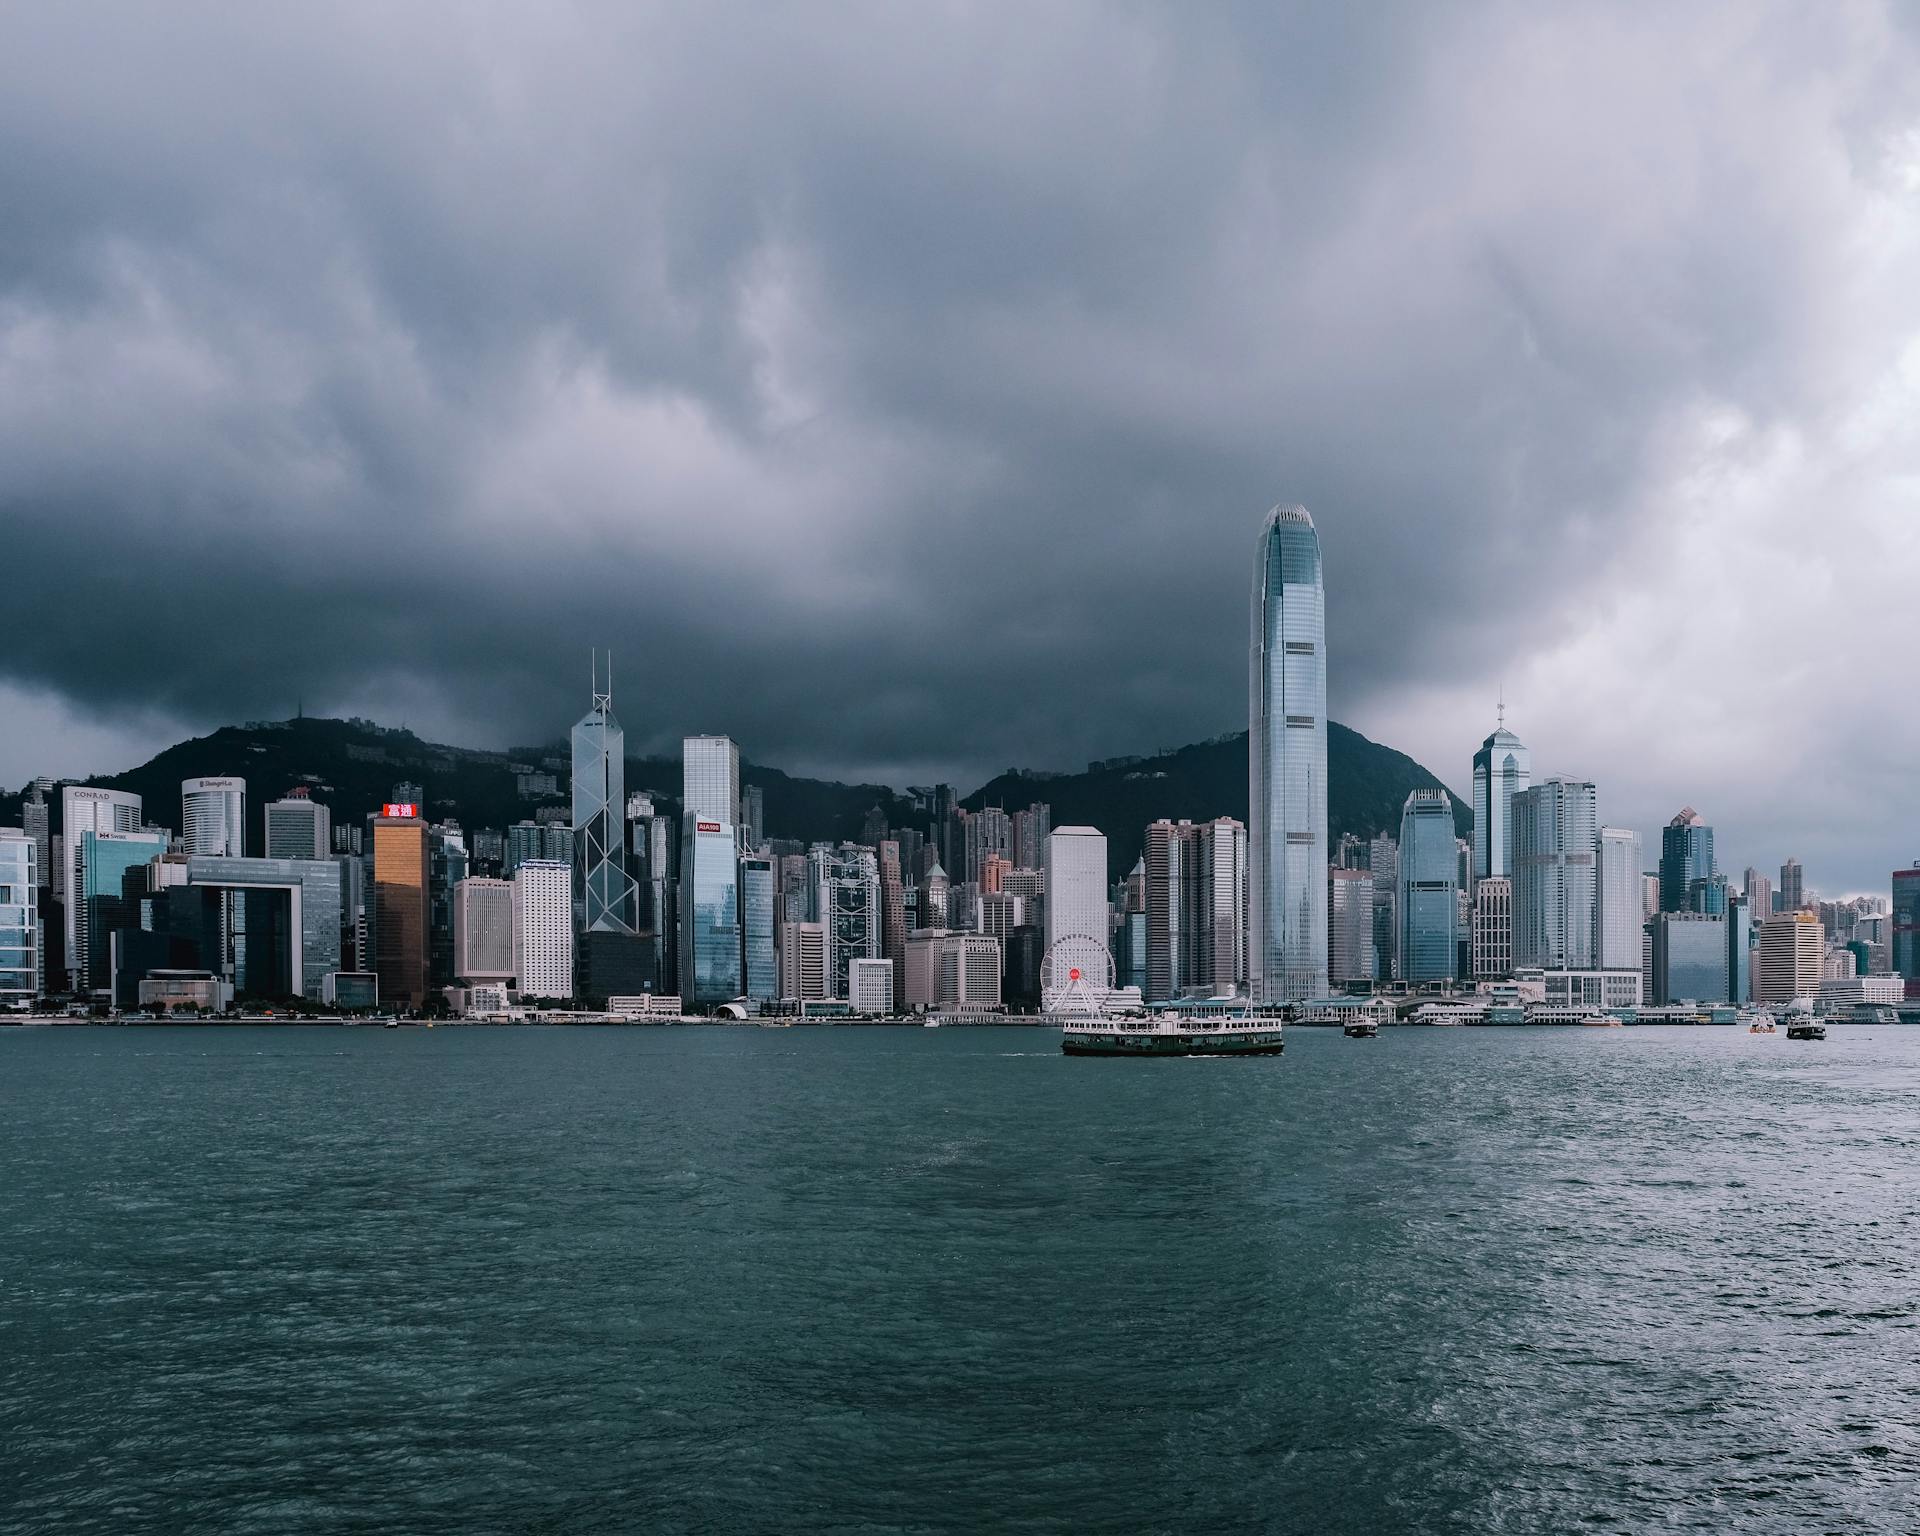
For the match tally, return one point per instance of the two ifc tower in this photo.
(1286, 776)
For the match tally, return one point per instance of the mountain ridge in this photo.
(353, 765)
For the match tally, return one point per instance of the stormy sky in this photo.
(900, 387)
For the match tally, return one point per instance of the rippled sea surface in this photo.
(915, 1280)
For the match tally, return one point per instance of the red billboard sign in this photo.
(400, 808)
(707, 826)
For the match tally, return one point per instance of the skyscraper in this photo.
(1195, 909)
(1759, 894)
(543, 928)
(105, 859)
(400, 908)
(1903, 929)
(298, 827)
(893, 913)
(1429, 906)
(1287, 765)
(1686, 855)
(483, 930)
(1490, 948)
(1077, 912)
(1689, 958)
(710, 779)
(1502, 768)
(604, 898)
(84, 810)
(989, 835)
(1791, 948)
(447, 866)
(759, 961)
(213, 817)
(1349, 925)
(753, 817)
(1031, 829)
(36, 822)
(19, 916)
(1619, 897)
(708, 916)
(846, 885)
(1793, 894)
(1555, 825)
(1383, 858)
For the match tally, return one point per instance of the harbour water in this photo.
(322, 1279)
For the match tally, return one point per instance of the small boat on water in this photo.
(1361, 1029)
(1173, 1037)
(1763, 1027)
(1806, 1031)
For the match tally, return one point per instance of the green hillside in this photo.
(1367, 784)
(353, 766)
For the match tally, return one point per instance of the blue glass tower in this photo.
(1287, 764)
(1429, 888)
(1686, 855)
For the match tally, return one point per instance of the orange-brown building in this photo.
(400, 906)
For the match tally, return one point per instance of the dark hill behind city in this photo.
(354, 765)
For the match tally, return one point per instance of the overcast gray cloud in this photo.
(900, 388)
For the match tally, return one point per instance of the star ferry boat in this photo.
(1233, 1035)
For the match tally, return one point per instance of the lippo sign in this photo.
(400, 808)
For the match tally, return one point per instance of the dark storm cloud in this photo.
(898, 388)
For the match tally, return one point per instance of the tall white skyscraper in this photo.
(298, 827)
(1555, 824)
(543, 928)
(1501, 769)
(1287, 764)
(1618, 901)
(213, 817)
(1076, 913)
(710, 779)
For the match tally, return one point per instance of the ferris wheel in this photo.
(1076, 975)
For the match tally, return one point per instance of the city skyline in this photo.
(1558, 438)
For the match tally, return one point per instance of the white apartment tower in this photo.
(543, 928)
(1619, 896)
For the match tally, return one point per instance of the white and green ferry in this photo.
(1229, 1035)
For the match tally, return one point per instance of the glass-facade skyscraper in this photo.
(1502, 768)
(1287, 765)
(1686, 855)
(711, 952)
(760, 969)
(1429, 907)
(710, 948)
(1555, 829)
(603, 892)
(19, 919)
